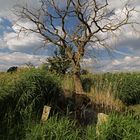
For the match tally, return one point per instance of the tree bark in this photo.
(76, 77)
(77, 84)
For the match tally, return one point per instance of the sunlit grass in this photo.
(22, 98)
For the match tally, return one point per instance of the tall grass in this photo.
(102, 92)
(125, 86)
(68, 85)
(55, 128)
(22, 100)
(24, 93)
(104, 101)
(117, 127)
(120, 127)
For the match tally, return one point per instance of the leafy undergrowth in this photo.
(24, 93)
(54, 129)
(120, 127)
(22, 97)
(125, 86)
(117, 127)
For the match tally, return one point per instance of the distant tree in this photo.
(12, 69)
(84, 72)
(29, 65)
(72, 25)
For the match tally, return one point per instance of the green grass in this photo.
(22, 100)
(54, 129)
(125, 86)
(24, 93)
(135, 109)
(120, 127)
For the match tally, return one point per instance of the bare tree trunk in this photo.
(76, 78)
(77, 84)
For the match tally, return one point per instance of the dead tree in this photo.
(73, 25)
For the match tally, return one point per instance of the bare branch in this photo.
(74, 24)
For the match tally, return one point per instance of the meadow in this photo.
(24, 93)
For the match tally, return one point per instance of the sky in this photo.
(17, 51)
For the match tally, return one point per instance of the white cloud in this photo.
(23, 43)
(21, 24)
(116, 62)
(16, 59)
(26, 43)
(124, 64)
(24, 46)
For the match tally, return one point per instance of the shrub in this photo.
(23, 101)
(87, 83)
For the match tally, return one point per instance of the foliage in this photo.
(120, 127)
(24, 99)
(128, 89)
(87, 83)
(72, 28)
(59, 63)
(23, 94)
(90, 132)
(54, 129)
(12, 69)
(125, 86)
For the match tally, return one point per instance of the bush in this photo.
(87, 83)
(23, 101)
(24, 93)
